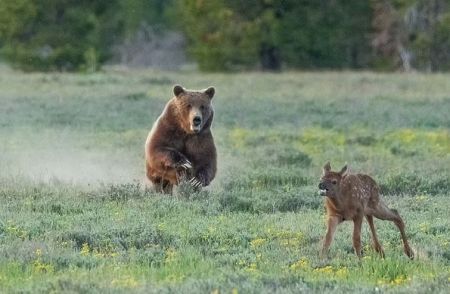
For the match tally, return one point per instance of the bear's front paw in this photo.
(203, 177)
(183, 163)
(196, 183)
(201, 180)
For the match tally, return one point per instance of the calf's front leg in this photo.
(332, 224)
(357, 224)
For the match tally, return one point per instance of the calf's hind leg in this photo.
(385, 213)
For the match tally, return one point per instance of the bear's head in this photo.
(194, 108)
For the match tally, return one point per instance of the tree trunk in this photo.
(270, 58)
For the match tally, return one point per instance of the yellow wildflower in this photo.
(300, 264)
(125, 282)
(257, 242)
(326, 270)
(38, 252)
(85, 249)
(171, 255)
(342, 272)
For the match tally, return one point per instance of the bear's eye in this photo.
(334, 182)
(202, 107)
(189, 106)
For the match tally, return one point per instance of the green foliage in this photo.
(220, 39)
(430, 33)
(234, 34)
(10, 24)
(442, 43)
(325, 34)
(412, 34)
(407, 183)
(229, 35)
(153, 12)
(58, 35)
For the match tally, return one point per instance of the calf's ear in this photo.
(177, 90)
(326, 167)
(343, 170)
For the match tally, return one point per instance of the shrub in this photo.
(58, 35)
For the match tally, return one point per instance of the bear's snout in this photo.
(197, 121)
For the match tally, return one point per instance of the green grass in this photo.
(75, 217)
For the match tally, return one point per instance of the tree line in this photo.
(228, 35)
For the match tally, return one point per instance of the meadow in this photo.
(75, 216)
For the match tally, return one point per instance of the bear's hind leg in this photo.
(167, 187)
(162, 186)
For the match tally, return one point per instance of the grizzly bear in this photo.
(180, 145)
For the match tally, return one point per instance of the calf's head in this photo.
(330, 181)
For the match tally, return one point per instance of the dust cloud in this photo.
(86, 167)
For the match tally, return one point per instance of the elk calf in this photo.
(353, 197)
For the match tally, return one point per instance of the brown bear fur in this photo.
(180, 144)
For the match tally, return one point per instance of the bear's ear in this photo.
(326, 167)
(177, 90)
(210, 92)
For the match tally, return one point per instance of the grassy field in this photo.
(74, 216)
